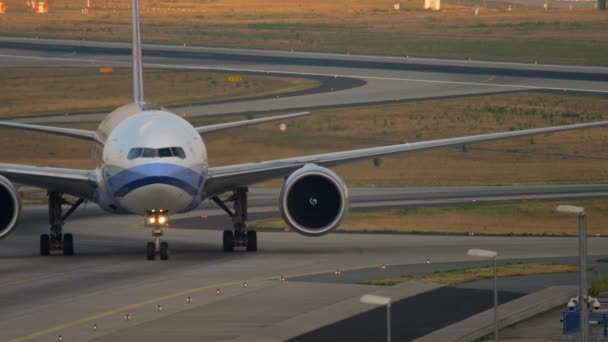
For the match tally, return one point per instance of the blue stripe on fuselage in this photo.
(139, 176)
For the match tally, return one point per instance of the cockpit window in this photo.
(149, 153)
(165, 152)
(178, 152)
(139, 152)
(134, 153)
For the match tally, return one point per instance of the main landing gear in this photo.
(56, 240)
(240, 236)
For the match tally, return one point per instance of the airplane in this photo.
(152, 162)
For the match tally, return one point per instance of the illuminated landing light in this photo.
(189, 300)
(162, 220)
(152, 220)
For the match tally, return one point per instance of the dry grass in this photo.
(335, 130)
(31, 91)
(466, 275)
(342, 129)
(533, 218)
(363, 26)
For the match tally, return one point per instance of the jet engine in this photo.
(10, 207)
(313, 200)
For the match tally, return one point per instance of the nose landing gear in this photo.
(157, 247)
(157, 219)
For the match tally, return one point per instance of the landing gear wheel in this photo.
(150, 251)
(164, 251)
(228, 241)
(252, 241)
(45, 245)
(68, 244)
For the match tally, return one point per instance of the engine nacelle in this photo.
(313, 200)
(10, 207)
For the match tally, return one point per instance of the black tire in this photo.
(45, 245)
(68, 244)
(150, 251)
(252, 241)
(228, 241)
(164, 251)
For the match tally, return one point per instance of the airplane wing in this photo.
(81, 183)
(225, 178)
(243, 123)
(67, 132)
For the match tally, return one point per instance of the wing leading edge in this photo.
(224, 178)
(67, 132)
(243, 123)
(81, 183)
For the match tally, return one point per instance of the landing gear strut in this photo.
(157, 219)
(240, 236)
(56, 240)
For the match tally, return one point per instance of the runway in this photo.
(387, 79)
(109, 276)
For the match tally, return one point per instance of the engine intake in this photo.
(313, 200)
(10, 207)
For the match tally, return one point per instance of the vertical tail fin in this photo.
(138, 80)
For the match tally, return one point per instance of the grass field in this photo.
(577, 156)
(363, 26)
(527, 218)
(32, 91)
(465, 275)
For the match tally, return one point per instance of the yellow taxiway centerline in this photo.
(167, 297)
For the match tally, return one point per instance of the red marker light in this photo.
(189, 300)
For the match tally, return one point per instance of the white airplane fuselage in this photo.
(150, 159)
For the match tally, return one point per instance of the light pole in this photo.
(380, 301)
(486, 254)
(582, 256)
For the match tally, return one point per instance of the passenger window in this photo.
(134, 153)
(164, 152)
(149, 153)
(178, 152)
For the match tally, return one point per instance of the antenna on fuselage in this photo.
(138, 77)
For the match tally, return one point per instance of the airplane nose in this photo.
(147, 174)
